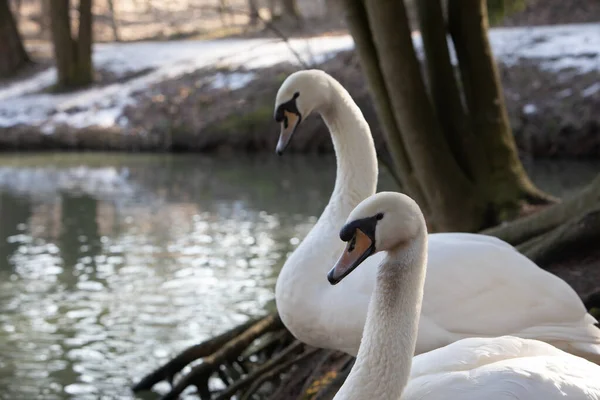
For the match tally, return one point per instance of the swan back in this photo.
(504, 367)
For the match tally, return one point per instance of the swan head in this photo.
(385, 221)
(300, 94)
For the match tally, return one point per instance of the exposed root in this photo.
(329, 391)
(592, 300)
(259, 373)
(526, 228)
(308, 385)
(169, 370)
(219, 355)
(278, 370)
(579, 232)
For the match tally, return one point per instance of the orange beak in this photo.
(358, 249)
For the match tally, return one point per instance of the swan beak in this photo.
(289, 124)
(358, 249)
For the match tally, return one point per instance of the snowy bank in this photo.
(553, 48)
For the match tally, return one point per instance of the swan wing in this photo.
(502, 368)
(475, 287)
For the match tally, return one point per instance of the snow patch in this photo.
(529, 109)
(591, 90)
(231, 81)
(555, 48)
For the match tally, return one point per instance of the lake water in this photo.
(110, 264)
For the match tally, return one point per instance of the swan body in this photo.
(474, 368)
(476, 285)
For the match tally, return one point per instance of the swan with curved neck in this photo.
(495, 368)
(477, 285)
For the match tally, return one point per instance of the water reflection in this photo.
(111, 264)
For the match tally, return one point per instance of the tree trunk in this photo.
(113, 20)
(12, 52)
(501, 174)
(444, 89)
(453, 199)
(223, 11)
(73, 56)
(84, 44)
(290, 10)
(359, 28)
(45, 20)
(17, 7)
(455, 151)
(273, 9)
(253, 10)
(62, 41)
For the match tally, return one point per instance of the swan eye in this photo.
(352, 244)
(379, 216)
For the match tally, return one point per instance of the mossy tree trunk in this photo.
(73, 54)
(12, 52)
(500, 172)
(452, 200)
(455, 150)
(356, 15)
(443, 86)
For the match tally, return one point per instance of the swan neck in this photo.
(383, 363)
(356, 175)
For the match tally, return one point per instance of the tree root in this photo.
(278, 370)
(316, 369)
(556, 245)
(259, 373)
(169, 370)
(526, 228)
(329, 391)
(223, 350)
(592, 304)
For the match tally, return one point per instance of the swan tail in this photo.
(581, 339)
(589, 351)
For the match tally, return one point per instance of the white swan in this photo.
(477, 285)
(476, 368)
